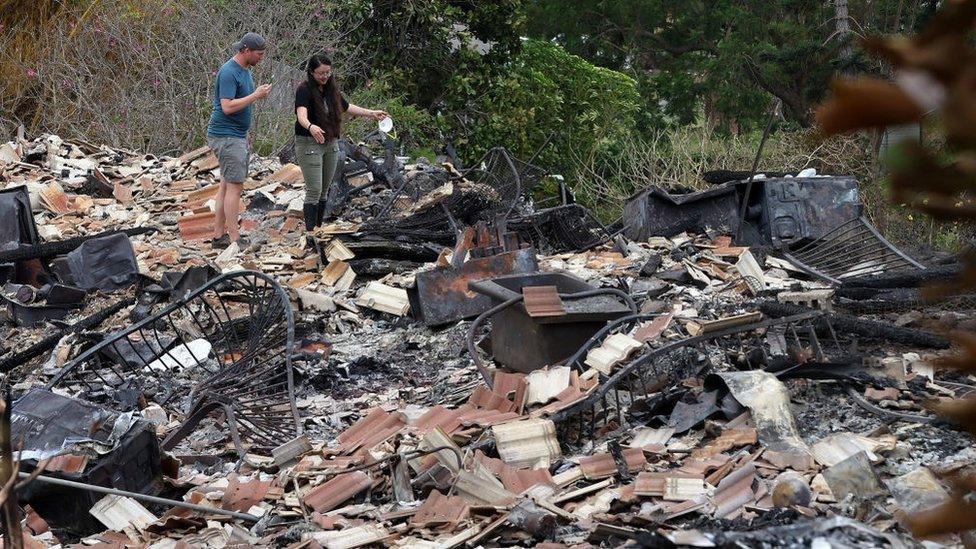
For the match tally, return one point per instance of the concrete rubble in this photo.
(453, 365)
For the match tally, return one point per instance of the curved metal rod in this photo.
(138, 496)
(863, 403)
(603, 332)
(473, 330)
(184, 301)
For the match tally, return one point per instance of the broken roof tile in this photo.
(603, 465)
(483, 397)
(328, 495)
(440, 511)
(542, 301)
(734, 491)
(196, 226)
(527, 444)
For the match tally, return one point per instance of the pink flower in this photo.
(31, 73)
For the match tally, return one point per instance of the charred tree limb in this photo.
(51, 341)
(902, 280)
(392, 249)
(872, 329)
(48, 250)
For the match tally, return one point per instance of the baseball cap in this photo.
(251, 41)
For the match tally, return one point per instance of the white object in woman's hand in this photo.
(317, 134)
(386, 124)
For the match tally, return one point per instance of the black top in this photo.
(304, 99)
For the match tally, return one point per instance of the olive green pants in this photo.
(318, 163)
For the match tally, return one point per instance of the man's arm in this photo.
(230, 106)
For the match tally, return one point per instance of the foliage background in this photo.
(612, 95)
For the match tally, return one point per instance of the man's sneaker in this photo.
(221, 242)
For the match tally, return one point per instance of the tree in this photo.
(419, 46)
(730, 56)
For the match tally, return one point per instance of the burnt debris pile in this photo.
(456, 360)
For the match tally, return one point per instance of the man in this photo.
(230, 121)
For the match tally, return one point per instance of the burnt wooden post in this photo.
(13, 537)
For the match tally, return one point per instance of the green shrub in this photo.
(415, 128)
(541, 92)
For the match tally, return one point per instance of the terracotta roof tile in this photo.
(439, 416)
(653, 483)
(542, 301)
(196, 226)
(440, 511)
(734, 491)
(602, 465)
(483, 397)
(68, 463)
(327, 496)
(506, 383)
(242, 496)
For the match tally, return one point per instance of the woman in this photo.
(318, 108)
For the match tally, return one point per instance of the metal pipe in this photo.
(755, 166)
(138, 496)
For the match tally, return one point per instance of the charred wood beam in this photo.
(381, 267)
(859, 326)
(51, 341)
(48, 250)
(391, 249)
(909, 279)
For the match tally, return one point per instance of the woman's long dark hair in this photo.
(330, 121)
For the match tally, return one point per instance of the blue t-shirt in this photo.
(233, 82)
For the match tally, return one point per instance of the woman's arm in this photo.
(355, 110)
(302, 114)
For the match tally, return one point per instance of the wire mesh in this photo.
(758, 345)
(566, 228)
(492, 188)
(852, 249)
(226, 345)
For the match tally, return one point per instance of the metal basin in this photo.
(524, 343)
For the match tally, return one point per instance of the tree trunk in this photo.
(843, 29)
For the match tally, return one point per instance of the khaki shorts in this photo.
(233, 156)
